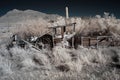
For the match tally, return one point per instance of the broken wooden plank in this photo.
(71, 24)
(30, 45)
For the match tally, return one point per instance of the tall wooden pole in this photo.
(67, 13)
(63, 29)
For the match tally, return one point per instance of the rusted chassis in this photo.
(46, 39)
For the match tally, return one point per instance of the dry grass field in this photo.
(60, 63)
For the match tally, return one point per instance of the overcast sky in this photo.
(76, 7)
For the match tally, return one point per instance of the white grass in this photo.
(83, 63)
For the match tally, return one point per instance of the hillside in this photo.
(16, 20)
(15, 16)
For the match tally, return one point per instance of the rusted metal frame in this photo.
(98, 38)
(82, 41)
(30, 45)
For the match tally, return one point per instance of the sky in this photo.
(76, 7)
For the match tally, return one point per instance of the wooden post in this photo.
(53, 33)
(73, 42)
(64, 29)
(89, 41)
(53, 36)
(62, 32)
(53, 41)
(55, 30)
(81, 41)
(74, 27)
(97, 42)
(67, 13)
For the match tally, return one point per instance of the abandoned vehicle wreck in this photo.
(68, 37)
(57, 35)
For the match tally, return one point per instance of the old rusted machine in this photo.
(58, 34)
(66, 35)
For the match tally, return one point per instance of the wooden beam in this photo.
(68, 25)
(30, 45)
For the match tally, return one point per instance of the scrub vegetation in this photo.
(60, 63)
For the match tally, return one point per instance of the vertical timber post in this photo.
(53, 36)
(89, 41)
(73, 42)
(67, 13)
(73, 39)
(67, 17)
(74, 27)
(63, 29)
(62, 32)
(82, 41)
(97, 42)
